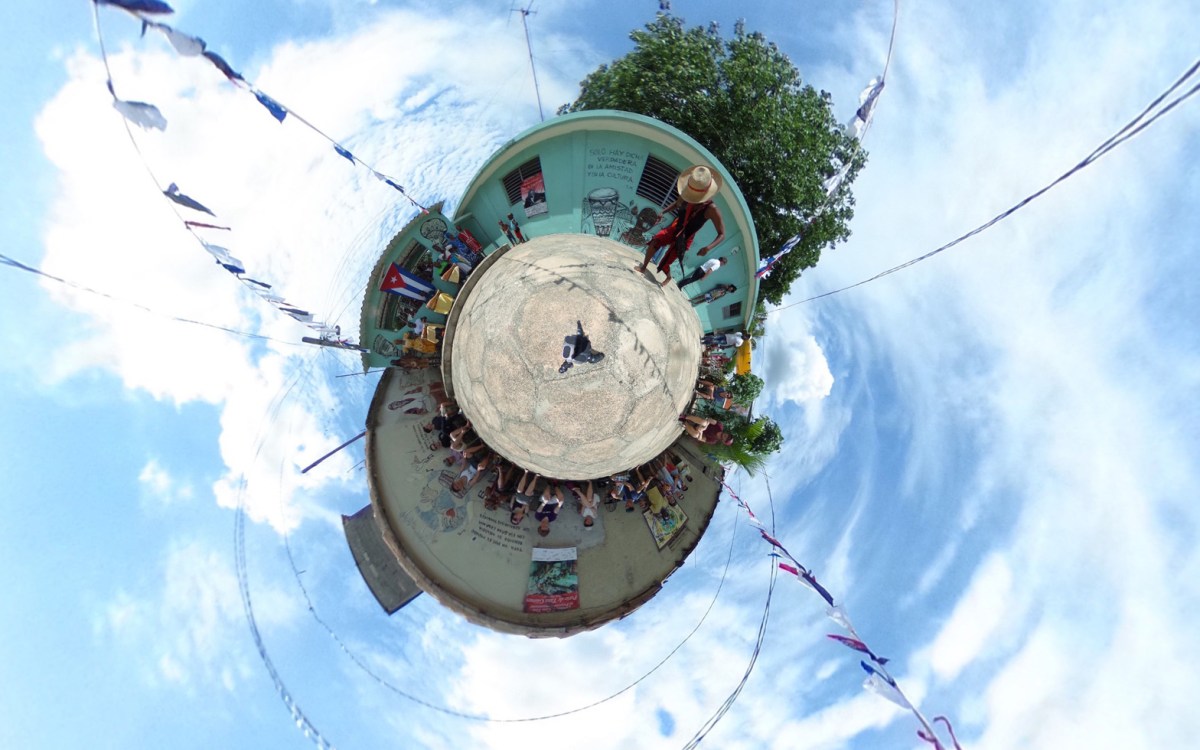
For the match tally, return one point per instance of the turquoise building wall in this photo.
(591, 166)
(585, 153)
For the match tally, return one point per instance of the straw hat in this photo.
(698, 184)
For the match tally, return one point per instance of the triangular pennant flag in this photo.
(811, 580)
(344, 153)
(248, 280)
(873, 671)
(146, 116)
(221, 65)
(881, 687)
(857, 645)
(216, 251)
(838, 615)
(184, 44)
(789, 569)
(275, 108)
(223, 257)
(772, 540)
(139, 6)
(866, 107)
(173, 193)
(195, 224)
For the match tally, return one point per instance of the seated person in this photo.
(552, 500)
(448, 419)
(417, 344)
(706, 430)
(713, 392)
(619, 489)
(460, 440)
(502, 486)
(475, 467)
(588, 502)
(669, 474)
(637, 489)
(717, 292)
(526, 489)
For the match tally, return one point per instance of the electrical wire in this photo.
(1129, 130)
(727, 704)
(358, 661)
(13, 263)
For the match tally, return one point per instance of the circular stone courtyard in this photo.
(596, 419)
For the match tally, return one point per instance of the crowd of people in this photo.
(653, 486)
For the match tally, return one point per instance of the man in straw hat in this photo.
(696, 185)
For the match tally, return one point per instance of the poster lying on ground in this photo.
(533, 195)
(666, 525)
(553, 580)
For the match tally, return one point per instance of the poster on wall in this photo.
(533, 195)
(553, 580)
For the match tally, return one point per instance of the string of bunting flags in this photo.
(856, 129)
(878, 680)
(148, 117)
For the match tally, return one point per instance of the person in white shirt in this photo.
(701, 273)
(722, 340)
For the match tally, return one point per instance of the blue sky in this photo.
(990, 455)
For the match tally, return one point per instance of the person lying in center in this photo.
(552, 500)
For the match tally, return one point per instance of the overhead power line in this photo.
(1135, 126)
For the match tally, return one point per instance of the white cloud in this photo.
(796, 370)
(160, 488)
(189, 631)
(1040, 391)
(303, 219)
(976, 617)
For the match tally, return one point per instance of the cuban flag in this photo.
(399, 281)
(764, 268)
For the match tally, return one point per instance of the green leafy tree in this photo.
(765, 438)
(743, 100)
(745, 388)
(753, 441)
